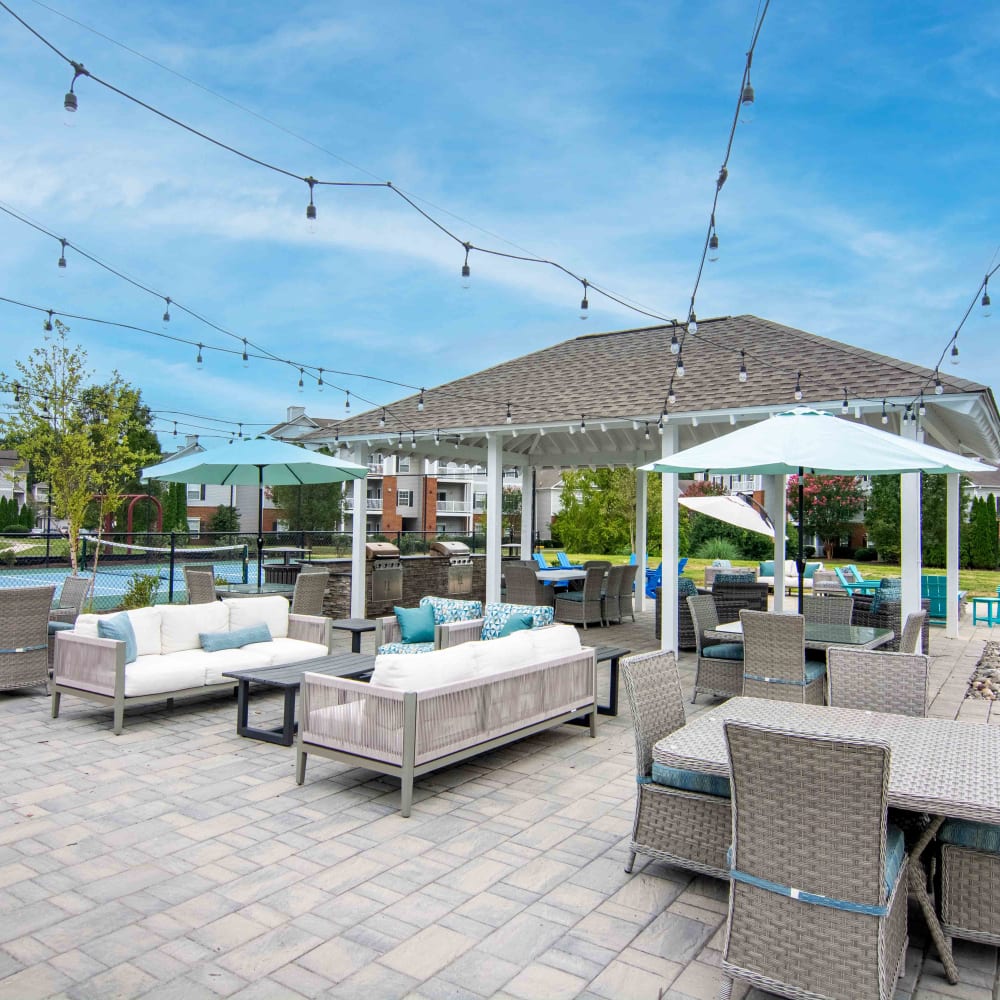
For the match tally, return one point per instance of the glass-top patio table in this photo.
(936, 767)
(819, 635)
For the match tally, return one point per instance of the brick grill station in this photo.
(422, 575)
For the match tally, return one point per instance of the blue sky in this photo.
(860, 203)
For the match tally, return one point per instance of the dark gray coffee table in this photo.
(288, 679)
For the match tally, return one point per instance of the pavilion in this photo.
(619, 399)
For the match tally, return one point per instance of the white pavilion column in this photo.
(528, 512)
(359, 523)
(668, 593)
(775, 488)
(909, 537)
(641, 536)
(494, 515)
(952, 554)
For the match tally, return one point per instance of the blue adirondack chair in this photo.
(564, 562)
(654, 579)
(542, 564)
(681, 563)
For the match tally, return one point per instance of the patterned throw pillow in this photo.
(686, 587)
(735, 577)
(497, 615)
(889, 590)
(447, 609)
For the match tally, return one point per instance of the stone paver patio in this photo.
(178, 860)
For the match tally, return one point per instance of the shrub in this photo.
(140, 592)
(865, 555)
(717, 548)
(8, 557)
(16, 529)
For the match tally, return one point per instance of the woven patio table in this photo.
(938, 766)
(819, 635)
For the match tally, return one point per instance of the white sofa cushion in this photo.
(428, 670)
(182, 624)
(158, 674)
(554, 641)
(214, 665)
(145, 624)
(282, 651)
(271, 611)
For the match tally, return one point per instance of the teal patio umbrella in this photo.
(256, 462)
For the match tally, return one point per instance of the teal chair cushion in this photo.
(691, 781)
(724, 651)
(814, 671)
(966, 833)
(60, 627)
(895, 852)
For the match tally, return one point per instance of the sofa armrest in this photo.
(88, 663)
(387, 630)
(454, 633)
(311, 628)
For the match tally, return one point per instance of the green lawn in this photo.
(978, 582)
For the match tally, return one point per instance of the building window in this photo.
(404, 498)
(442, 496)
(194, 526)
(402, 464)
(195, 492)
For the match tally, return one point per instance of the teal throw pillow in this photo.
(212, 642)
(766, 568)
(811, 568)
(516, 623)
(416, 624)
(119, 627)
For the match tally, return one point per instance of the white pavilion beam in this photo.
(670, 509)
(494, 515)
(359, 525)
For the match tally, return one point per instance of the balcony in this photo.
(453, 507)
(371, 504)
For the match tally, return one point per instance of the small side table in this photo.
(991, 616)
(610, 655)
(355, 626)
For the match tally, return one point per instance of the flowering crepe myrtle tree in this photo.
(830, 505)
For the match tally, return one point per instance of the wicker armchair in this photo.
(774, 659)
(626, 592)
(685, 828)
(199, 581)
(71, 597)
(310, 589)
(720, 664)
(578, 607)
(877, 681)
(523, 587)
(970, 881)
(889, 614)
(24, 636)
(807, 916)
(913, 633)
(611, 597)
(828, 610)
(752, 596)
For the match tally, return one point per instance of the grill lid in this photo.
(442, 548)
(381, 550)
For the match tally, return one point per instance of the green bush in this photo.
(8, 557)
(865, 555)
(16, 529)
(140, 592)
(717, 548)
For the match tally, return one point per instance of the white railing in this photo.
(371, 503)
(453, 507)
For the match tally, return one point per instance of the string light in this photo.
(319, 383)
(69, 101)
(680, 366)
(47, 325)
(437, 436)
(301, 383)
(413, 440)
(466, 271)
(732, 419)
(722, 178)
(646, 433)
(713, 242)
(743, 366)
(420, 402)
(347, 403)
(175, 428)
(62, 255)
(381, 419)
(584, 304)
(199, 361)
(922, 408)
(583, 424)
(671, 395)
(508, 419)
(844, 406)
(692, 324)
(747, 97)
(246, 357)
(985, 301)
(798, 386)
(885, 417)
(674, 343)
(311, 207)
(954, 351)
(938, 387)
(166, 312)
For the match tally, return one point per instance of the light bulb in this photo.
(584, 304)
(746, 102)
(692, 326)
(713, 247)
(985, 302)
(680, 366)
(198, 361)
(675, 345)
(954, 353)
(743, 366)
(938, 387)
(62, 257)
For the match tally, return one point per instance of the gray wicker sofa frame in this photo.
(410, 733)
(94, 669)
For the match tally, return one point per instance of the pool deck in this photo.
(180, 861)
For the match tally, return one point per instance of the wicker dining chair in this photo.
(611, 595)
(578, 607)
(876, 681)
(970, 881)
(911, 639)
(24, 636)
(691, 829)
(199, 581)
(523, 587)
(71, 597)
(719, 670)
(626, 592)
(827, 610)
(808, 915)
(310, 589)
(774, 659)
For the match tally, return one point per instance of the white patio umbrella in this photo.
(735, 510)
(806, 440)
(256, 462)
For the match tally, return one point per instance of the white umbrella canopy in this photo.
(731, 509)
(256, 462)
(807, 440)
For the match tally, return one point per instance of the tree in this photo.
(76, 441)
(830, 505)
(174, 501)
(225, 519)
(306, 508)
(983, 534)
(882, 517)
(703, 488)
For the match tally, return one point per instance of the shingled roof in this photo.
(624, 376)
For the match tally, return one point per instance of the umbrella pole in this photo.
(260, 525)
(801, 561)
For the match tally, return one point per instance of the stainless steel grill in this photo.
(387, 572)
(459, 565)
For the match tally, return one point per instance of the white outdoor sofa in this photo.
(791, 574)
(170, 661)
(421, 713)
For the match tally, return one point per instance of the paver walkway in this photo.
(178, 860)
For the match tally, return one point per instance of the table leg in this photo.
(917, 885)
(242, 707)
(355, 642)
(612, 707)
(283, 735)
